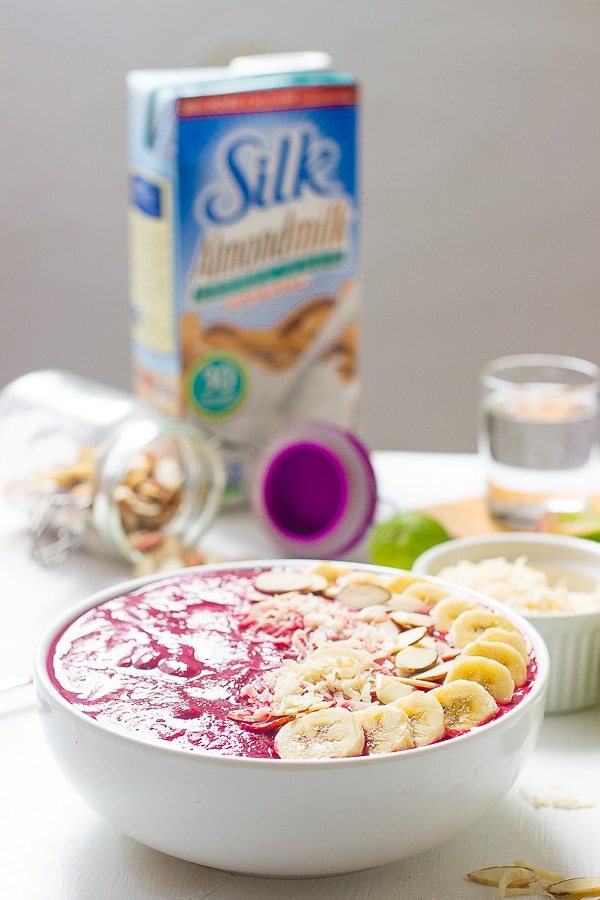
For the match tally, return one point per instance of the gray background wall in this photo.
(481, 142)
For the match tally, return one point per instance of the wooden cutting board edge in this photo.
(463, 518)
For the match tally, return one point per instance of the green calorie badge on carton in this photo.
(216, 386)
(244, 225)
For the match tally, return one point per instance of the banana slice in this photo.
(465, 704)
(426, 592)
(402, 580)
(426, 716)
(387, 728)
(389, 688)
(447, 610)
(503, 653)
(324, 734)
(328, 570)
(489, 673)
(514, 638)
(471, 623)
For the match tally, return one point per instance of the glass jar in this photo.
(94, 465)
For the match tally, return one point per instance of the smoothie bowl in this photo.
(291, 718)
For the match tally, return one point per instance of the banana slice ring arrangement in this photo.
(378, 664)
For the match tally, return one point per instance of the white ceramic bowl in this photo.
(276, 817)
(572, 638)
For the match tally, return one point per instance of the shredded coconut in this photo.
(519, 585)
(341, 654)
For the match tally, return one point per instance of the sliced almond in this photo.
(413, 660)
(405, 602)
(357, 596)
(576, 887)
(417, 682)
(407, 638)
(318, 582)
(145, 509)
(436, 673)
(168, 472)
(450, 653)
(410, 619)
(429, 641)
(376, 611)
(543, 875)
(386, 628)
(282, 581)
(359, 576)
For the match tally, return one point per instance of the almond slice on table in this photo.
(576, 887)
(524, 879)
(510, 876)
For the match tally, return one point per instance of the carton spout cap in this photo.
(270, 63)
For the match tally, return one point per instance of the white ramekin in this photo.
(572, 638)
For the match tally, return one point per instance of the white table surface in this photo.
(53, 847)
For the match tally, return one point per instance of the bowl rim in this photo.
(581, 547)
(47, 691)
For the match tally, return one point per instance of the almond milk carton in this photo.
(244, 231)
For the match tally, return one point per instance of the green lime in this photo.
(402, 538)
(577, 524)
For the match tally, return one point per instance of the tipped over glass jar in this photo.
(95, 466)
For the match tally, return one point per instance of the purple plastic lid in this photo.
(315, 490)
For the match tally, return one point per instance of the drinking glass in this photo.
(538, 435)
